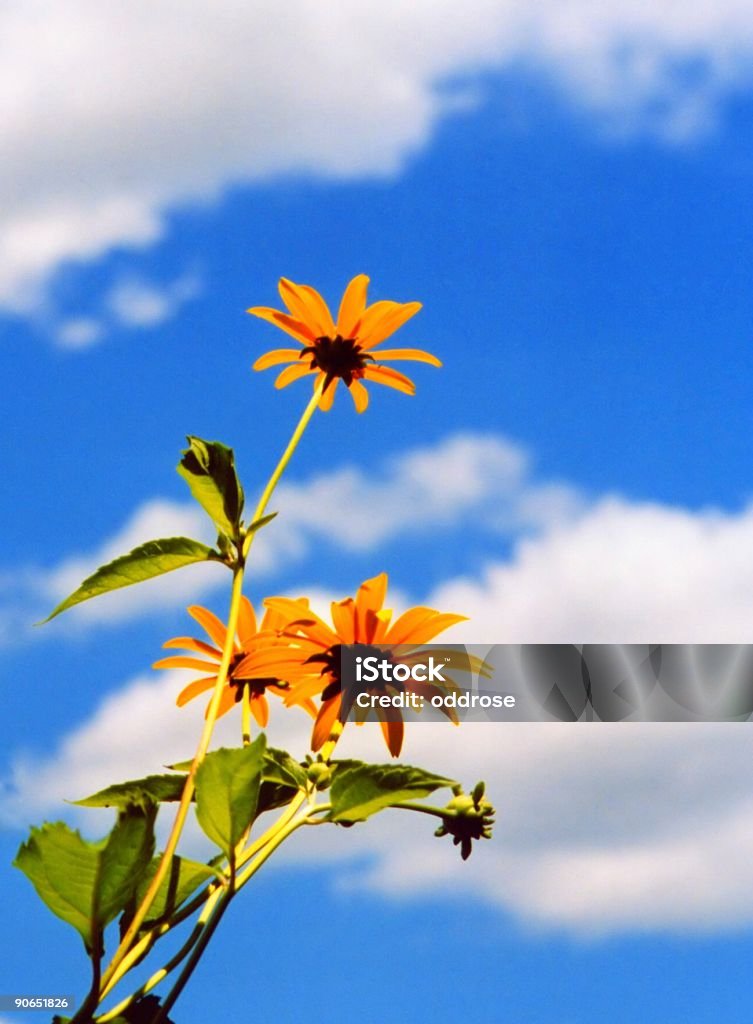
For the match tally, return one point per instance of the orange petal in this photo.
(427, 630)
(379, 322)
(303, 619)
(325, 402)
(210, 623)
(392, 730)
(177, 661)
(369, 599)
(320, 310)
(246, 622)
(259, 664)
(372, 592)
(286, 323)
(416, 354)
(260, 709)
(325, 720)
(227, 700)
(301, 693)
(382, 617)
(352, 306)
(292, 373)
(343, 619)
(307, 305)
(393, 379)
(360, 395)
(194, 689)
(402, 627)
(277, 356)
(190, 643)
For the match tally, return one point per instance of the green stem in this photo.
(281, 467)
(422, 808)
(211, 717)
(218, 913)
(168, 968)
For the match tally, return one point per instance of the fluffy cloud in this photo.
(437, 487)
(137, 303)
(601, 828)
(114, 114)
(620, 573)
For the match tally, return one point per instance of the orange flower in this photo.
(259, 662)
(359, 621)
(342, 350)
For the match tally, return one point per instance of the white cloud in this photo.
(620, 573)
(79, 332)
(434, 487)
(137, 303)
(437, 487)
(601, 828)
(28, 594)
(114, 114)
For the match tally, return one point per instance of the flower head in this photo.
(342, 350)
(362, 620)
(259, 663)
(467, 818)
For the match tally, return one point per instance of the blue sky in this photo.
(568, 195)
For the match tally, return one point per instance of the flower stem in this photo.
(217, 912)
(246, 716)
(281, 467)
(211, 716)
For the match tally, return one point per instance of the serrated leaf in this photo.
(227, 792)
(62, 867)
(182, 880)
(360, 790)
(137, 793)
(154, 558)
(280, 767)
(123, 861)
(88, 884)
(208, 468)
(273, 795)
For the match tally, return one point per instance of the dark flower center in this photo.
(337, 357)
(339, 663)
(255, 687)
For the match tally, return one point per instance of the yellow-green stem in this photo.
(217, 913)
(282, 465)
(246, 717)
(170, 966)
(211, 717)
(147, 941)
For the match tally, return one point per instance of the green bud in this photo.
(320, 774)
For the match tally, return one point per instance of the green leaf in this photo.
(264, 521)
(137, 793)
(360, 790)
(227, 792)
(280, 767)
(88, 884)
(62, 867)
(143, 563)
(182, 880)
(273, 795)
(208, 468)
(123, 861)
